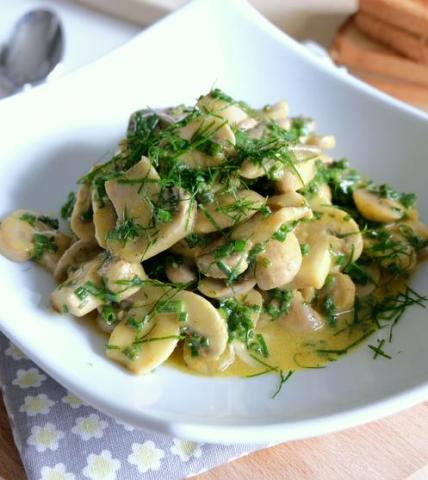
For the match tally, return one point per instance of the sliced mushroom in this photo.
(121, 277)
(289, 199)
(61, 242)
(316, 264)
(209, 366)
(216, 288)
(308, 294)
(303, 151)
(297, 178)
(260, 228)
(80, 252)
(194, 158)
(325, 142)
(72, 297)
(96, 282)
(182, 248)
(342, 290)
(277, 111)
(213, 126)
(229, 111)
(131, 194)
(279, 263)
(183, 271)
(217, 130)
(81, 217)
(247, 124)
(141, 355)
(301, 317)
(270, 167)
(377, 209)
(24, 236)
(396, 254)
(344, 233)
(419, 229)
(227, 210)
(321, 197)
(104, 218)
(216, 261)
(205, 322)
(134, 202)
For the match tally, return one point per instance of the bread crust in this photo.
(355, 50)
(409, 15)
(410, 45)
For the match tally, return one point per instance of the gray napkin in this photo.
(61, 438)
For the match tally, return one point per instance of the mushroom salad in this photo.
(225, 240)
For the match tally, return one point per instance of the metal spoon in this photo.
(34, 49)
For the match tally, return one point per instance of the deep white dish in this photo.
(50, 136)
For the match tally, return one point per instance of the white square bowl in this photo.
(50, 136)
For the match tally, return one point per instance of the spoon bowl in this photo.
(34, 49)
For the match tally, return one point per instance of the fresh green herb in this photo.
(256, 250)
(271, 152)
(43, 244)
(218, 94)
(131, 352)
(378, 350)
(328, 308)
(305, 248)
(163, 216)
(388, 311)
(196, 240)
(278, 303)
(358, 273)
(408, 200)
(109, 314)
(388, 250)
(195, 342)
(32, 219)
(343, 351)
(146, 339)
(125, 230)
(135, 281)
(67, 208)
(259, 345)
(87, 215)
(239, 317)
(283, 231)
(99, 291)
(283, 377)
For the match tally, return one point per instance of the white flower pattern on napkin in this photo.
(146, 456)
(14, 352)
(113, 450)
(101, 467)
(72, 401)
(29, 378)
(186, 449)
(35, 405)
(45, 438)
(89, 427)
(57, 472)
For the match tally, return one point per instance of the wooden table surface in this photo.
(395, 448)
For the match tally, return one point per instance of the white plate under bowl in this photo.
(52, 135)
